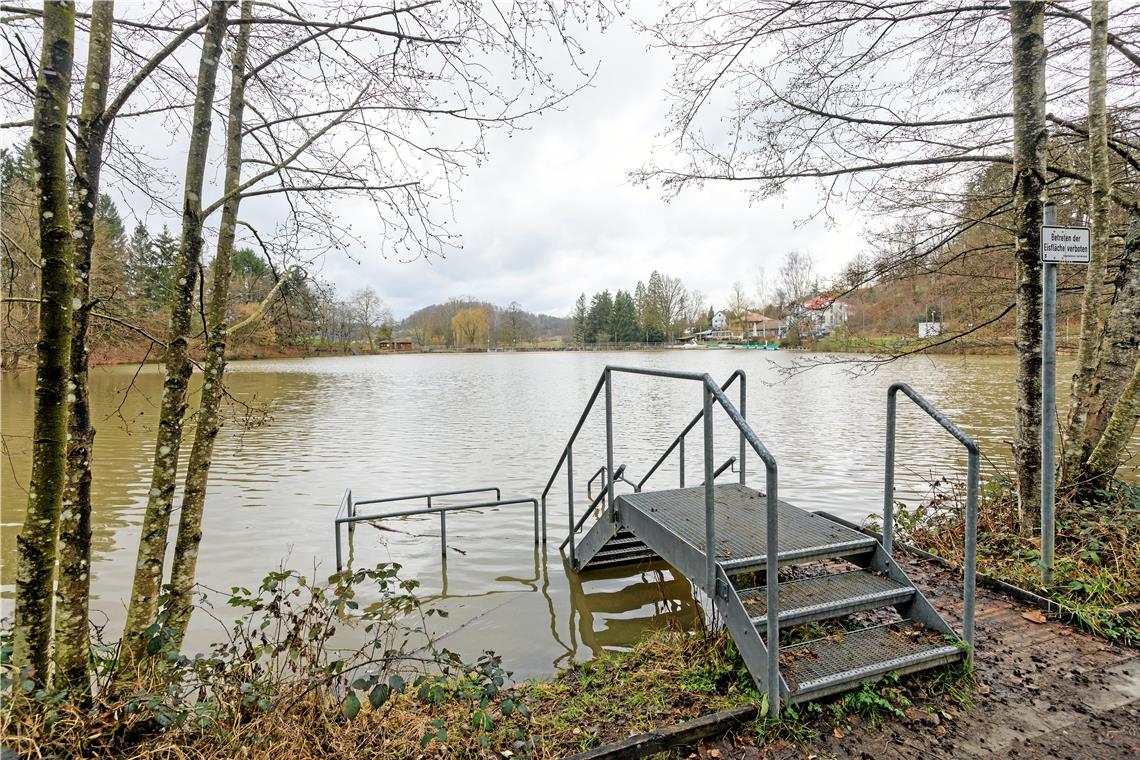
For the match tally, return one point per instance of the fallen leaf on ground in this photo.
(1034, 616)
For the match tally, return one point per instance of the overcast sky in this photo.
(553, 214)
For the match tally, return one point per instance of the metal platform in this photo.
(740, 526)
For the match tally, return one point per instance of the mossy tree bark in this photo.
(1109, 452)
(1076, 443)
(72, 643)
(1112, 410)
(1027, 31)
(206, 432)
(143, 608)
(36, 543)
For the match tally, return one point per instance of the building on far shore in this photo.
(821, 314)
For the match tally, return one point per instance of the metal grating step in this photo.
(609, 552)
(823, 597)
(678, 517)
(837, 663)
(600, 561)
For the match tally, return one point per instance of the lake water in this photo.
(393, 425)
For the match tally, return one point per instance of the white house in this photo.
(824, 314)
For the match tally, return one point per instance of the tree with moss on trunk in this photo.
(36, 547)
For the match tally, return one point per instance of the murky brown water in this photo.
(391, 425)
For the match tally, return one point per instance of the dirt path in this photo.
(1047, 690)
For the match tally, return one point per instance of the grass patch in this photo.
(1096, 568)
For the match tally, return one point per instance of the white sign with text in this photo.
(1065, 245)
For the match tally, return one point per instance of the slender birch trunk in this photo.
(72, 642)
(36, 543)
(1027, 26)
(1119, 354)
(143, 607)
(1109, 452)
(201, 455)
(1076, 445)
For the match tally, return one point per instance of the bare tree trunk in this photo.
(73, 587)
(1027, 24)
(36, 543)
(1109, 452)
(201, 455)
(1076, 445)
(143, 608)
(1118, 353)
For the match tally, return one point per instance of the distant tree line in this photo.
(469, 323)
(654, 313)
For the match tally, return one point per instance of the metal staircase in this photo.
(832, 572)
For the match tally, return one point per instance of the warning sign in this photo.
(1065, 245)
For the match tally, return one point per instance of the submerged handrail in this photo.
(969, 571)
(352, 519)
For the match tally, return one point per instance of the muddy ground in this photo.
(1047, 690)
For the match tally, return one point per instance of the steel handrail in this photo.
(969, 572)
(712, 393)
(590, 483)
(582, 520)
(441, 511)
(413, 497)
(720, 470)
(680, 439)
(567, 458)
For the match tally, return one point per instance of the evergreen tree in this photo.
(581, 313)
(623, 319)
(150, 261)
(598, 319)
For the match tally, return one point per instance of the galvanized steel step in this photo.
(678, 516)
(839, 662)
(599, 561)
(823, 597)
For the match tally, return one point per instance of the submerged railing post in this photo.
(889, 477)
(710, 502)
(570, 498)
(351, 512)
(339, 560)
(442, 529)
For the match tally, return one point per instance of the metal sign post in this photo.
(1070, 245)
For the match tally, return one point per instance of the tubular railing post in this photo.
(442, 529)
(609, 441)
(772, 573)
(889, 476)
(710, 504)
(682, 457)
(351, 513)
(570, 498)
(969, 571)
(339, 560)
(536, 523)
(743, 415)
